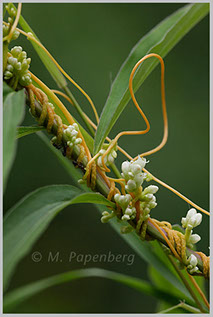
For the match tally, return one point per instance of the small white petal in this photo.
(191, 213)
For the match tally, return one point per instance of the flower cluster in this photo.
(72, 132)
(134, 177)
(109, 158)
(123, 201)
(17, 67)
(192, 220)
(132, 173)
(6, 28)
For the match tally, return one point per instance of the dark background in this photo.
(91, 41)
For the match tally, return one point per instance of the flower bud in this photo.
(192, 220)
(135, 168)
(16, 50)
(195, 220)
(192, 260)
(194, 238)
(125, 167)
(152, 189)
(141, 161)
(125, 217)
(131, 185)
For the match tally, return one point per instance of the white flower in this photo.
(131, 185)
(194, 238)
(192, 264)
(192, 220)
(123, 200)
(195, 220)
(141, 161)
(129, 213)
(192, 260)
(152, 189)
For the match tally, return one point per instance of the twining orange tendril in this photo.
(31, 37)
(8, 37)
(145, 170)
(163, 100)
(120, 181)
(199, 290)
(179, 258)
(165, 136)
(176, 192)
(62, 108)
(90, 121)
(166, 239)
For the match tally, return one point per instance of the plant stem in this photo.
(101, 184)
(115, 170)
(186, 283)
(79, 110)
(199, 290)
(187, 307)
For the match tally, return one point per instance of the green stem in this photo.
(187, 307)
(101, 185)
(4, 10)
(5, 51)
(115, 170)
(79, 110)
(186, 283)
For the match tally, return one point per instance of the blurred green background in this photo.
(91, 41)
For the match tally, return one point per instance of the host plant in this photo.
(127, 197)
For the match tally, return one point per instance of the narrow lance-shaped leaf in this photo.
(22, 293)
(159, 40)
(23, 131)
(13, 112)
(27, 220)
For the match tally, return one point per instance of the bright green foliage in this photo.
(19, 295)
(28, 219)
(13, 112)
(160, 40)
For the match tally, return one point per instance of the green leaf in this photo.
(159, 40)
(184, 309)
(164, 284)
(51, 67)
(23, 131)
(13, 113)
(22, 293)
(146, 250)
(28, 219)
(6, 90)
(94, 198)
